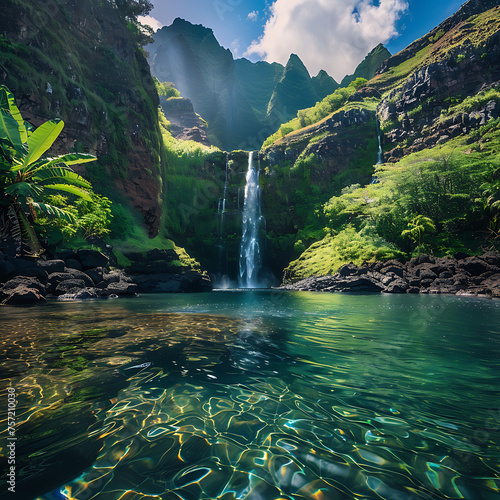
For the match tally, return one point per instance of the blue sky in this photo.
(334, 35)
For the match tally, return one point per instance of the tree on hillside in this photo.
(134, 8)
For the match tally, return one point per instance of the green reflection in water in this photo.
(257, 395)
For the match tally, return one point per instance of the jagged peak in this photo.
(295, 63)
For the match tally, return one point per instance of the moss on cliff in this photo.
(80, 61)
(453, 184)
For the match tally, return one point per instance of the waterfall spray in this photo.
(250, 256)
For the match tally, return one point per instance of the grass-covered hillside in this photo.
(436, 188)
(441, 200)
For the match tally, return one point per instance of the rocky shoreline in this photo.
(86, 274)
(460, 275)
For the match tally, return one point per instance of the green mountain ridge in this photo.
(239, 99)
(369, 66)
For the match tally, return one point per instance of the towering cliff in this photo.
(80, 60)
(241, 101)
(434, 107)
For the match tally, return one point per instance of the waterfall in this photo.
(221, 279)
(221, 208)
(250, 258)
(379, 155)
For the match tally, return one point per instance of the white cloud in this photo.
(150, 21)
(253, 16)
(334, 35)
(235, 47)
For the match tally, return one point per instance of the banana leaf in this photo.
(42, 139)
(8, 102)
(9, 131)
(49, 175)
(70, 189)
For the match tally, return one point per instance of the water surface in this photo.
(256, 395)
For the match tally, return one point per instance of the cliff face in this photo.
(185, 124)
(77, 60)
(242, 102)
(435, 109)
(454, 65)
(304, 169)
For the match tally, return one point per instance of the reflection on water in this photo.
(256, 395)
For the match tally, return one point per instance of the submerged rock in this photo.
(23, 295)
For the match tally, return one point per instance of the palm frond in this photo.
(47, 174)
(23, 190)
(54, 211)
(67, 188)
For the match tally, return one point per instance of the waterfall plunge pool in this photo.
(255, 395)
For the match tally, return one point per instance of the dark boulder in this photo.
(348, 270)
(52, 266)
(24, 281)
(69, 286)
(397, 286)
(122, 288)
(397, 270)
(92, 258)
(55, 279)
(32, 272)
(96, 274)
(6, 268)
(74, 264)
(113, 277)
(474, 266)
(80, 275)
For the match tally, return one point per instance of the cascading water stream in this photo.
(379, 154)
(222, 201)
(250, 256)
(221, 279)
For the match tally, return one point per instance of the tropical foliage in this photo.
(323, 109)
(27, 177)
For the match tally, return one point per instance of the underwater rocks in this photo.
(462, 275)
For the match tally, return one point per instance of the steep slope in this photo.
(369, 66)
(241, 101)
(437, 103)
(423, 94)
(324, 84)
(191, 58)
(294, 91)
(78, 60)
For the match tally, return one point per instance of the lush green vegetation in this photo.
(166, 89)
(468, 36)
(27, 178)
(441, 200)
(348, 245)
(322, 110)
(84, 80)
